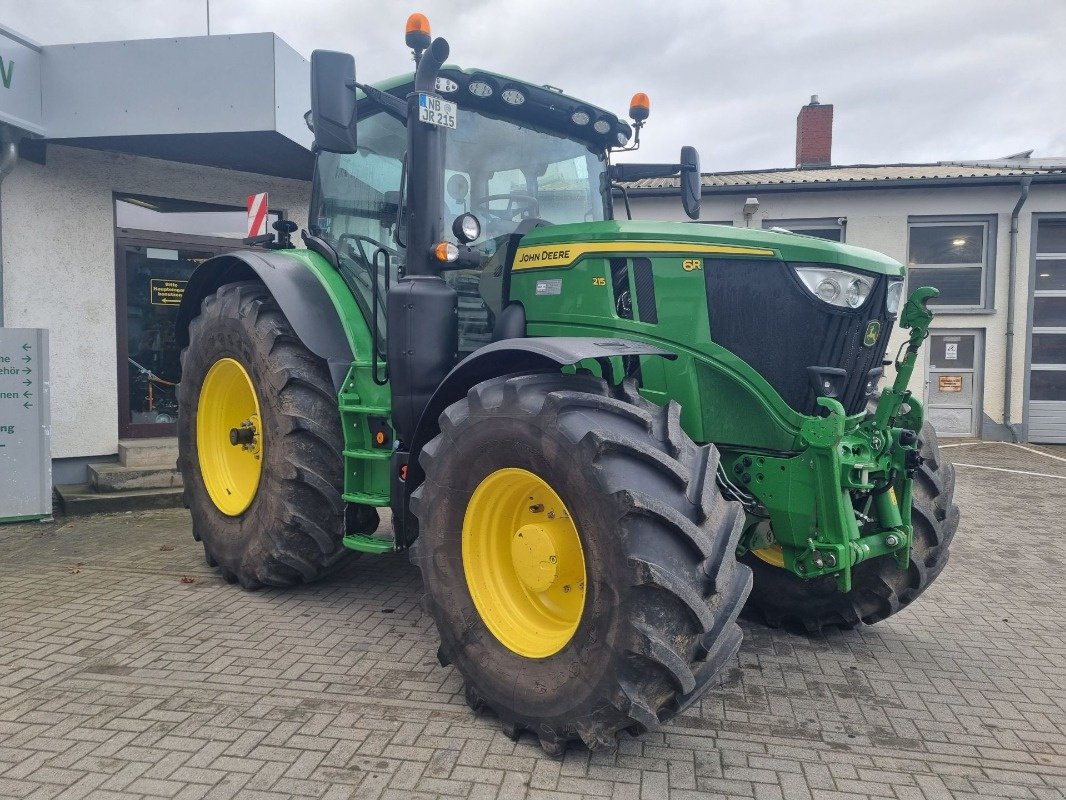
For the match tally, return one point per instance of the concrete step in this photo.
(119, 477)
(148, 452)
(79, 499)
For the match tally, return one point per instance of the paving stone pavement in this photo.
(129, 669)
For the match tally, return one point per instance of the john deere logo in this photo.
(873, 330)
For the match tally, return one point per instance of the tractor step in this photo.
(375, 545)
(366, 499)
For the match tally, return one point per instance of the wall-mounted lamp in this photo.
(751, 205)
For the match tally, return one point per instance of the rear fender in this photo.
(302, 297)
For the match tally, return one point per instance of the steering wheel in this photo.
(525, 204)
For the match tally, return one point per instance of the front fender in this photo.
(505, 357)
(302, 297)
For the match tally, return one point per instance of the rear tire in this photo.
(291, 531)
(662, 587)
(879, 587)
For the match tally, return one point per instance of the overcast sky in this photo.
(910, 81)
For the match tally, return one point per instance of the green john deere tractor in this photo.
(593, 432)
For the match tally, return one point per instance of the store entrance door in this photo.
(151, 279)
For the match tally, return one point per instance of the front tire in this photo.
(879, 587)
(267, 508)
(655, 538)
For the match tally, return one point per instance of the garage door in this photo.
(1047, 379)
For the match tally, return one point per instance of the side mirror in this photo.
(690, 181)
(333, 101)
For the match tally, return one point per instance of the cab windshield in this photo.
(503, 172)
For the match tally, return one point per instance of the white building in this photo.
(990, 235)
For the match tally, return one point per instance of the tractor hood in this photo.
(790, 247)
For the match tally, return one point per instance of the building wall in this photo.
(59, 268)
(877, 219)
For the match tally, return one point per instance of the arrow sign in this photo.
(27, 404)
(25, 347)
(27, 382)
(27, 370)
(27, 394)
(27, 359)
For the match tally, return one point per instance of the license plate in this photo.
(437, 111)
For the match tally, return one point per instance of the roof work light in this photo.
(639, 107)
(417, 35)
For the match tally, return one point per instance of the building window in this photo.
(955, 256)
(831, 228)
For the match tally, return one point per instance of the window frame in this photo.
(802, 224)
(986, 305)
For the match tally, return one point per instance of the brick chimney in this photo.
(814, 134)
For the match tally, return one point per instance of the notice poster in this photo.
(949, 383)
(164, 292)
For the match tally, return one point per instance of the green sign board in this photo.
(20, 82)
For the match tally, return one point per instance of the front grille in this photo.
(761, 313)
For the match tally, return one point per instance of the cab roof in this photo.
(542, 106)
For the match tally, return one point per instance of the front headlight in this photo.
(836, 286)
(893, 297)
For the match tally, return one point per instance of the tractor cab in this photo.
(516, 157)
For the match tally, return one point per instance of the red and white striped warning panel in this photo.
(257, 214)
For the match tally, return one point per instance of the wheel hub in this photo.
(534, 558)
(246, 435)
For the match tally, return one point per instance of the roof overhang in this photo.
(235, 102)
(854, 185)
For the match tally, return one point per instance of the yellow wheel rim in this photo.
(523, 561)
(229, 439)
(772, 555)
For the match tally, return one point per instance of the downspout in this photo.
(1012, 274)
(9, 155)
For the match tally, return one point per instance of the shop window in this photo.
(955, 256)
(159, 242)
(831, 228)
